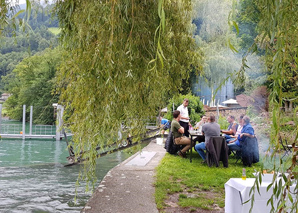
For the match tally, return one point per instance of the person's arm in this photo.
(247, 135)
(227, 132)
(249, 132)
(184, 118)
(181, 130)
(233, 141)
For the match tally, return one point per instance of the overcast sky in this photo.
(24, 1)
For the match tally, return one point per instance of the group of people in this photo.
(234, 135)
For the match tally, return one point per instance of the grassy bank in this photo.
(182, 186)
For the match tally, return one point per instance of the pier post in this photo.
(59, 121)
(31, 116)
(0, 117)
(24, 121)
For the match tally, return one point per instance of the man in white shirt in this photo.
(184, 120)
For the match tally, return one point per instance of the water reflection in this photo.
(33, 177)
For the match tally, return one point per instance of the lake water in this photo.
(33, 177)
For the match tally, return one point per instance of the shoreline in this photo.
(129, 186)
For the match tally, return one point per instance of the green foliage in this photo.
(24, 32)
(195, 107)
(277, 34)
(214, 36)
(123, 60)
(223, 123)
(31, 83)
(248, 18)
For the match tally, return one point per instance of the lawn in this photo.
(182, 186)
(54, 30)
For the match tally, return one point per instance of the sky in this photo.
(24, 1)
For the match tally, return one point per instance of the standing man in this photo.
(177, 131)
(209, 129)
(184, 121)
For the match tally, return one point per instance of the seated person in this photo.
(233, 138)
(209, 129)
(232, 128)
(247, 131)
(164, 124)
(199, 125)
(178, 131)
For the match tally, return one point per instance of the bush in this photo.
(222, 121)
(195, 107)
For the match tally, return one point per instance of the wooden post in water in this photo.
(24, 121)
(31, 116)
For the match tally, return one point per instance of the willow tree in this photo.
(277, 29)
(214, 35)
(124, 59)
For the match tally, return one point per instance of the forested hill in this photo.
(41, 34)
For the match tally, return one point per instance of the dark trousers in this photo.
(186, 127)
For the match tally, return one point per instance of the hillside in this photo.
(36, 37)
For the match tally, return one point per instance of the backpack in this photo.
(170, 146)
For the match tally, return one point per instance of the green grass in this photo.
(54, 30)
(205, 184)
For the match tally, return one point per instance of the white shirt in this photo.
(184, 113)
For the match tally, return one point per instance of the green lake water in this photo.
(33, 177)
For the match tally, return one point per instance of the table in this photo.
(237, 193)
(194, 133)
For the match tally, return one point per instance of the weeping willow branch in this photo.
(107, 79)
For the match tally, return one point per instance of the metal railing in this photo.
(11, 128)
(44, 130)
(37, 129)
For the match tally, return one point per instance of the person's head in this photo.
(204, 118)
(185, 102)
(246, 120)
(231, 118)
(212, 118)
(176, 114)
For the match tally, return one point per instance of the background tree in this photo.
(277, 29)
(214, 36)
(31, 83)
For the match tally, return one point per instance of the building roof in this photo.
(230, 101)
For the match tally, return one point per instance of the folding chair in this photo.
(286, 147)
